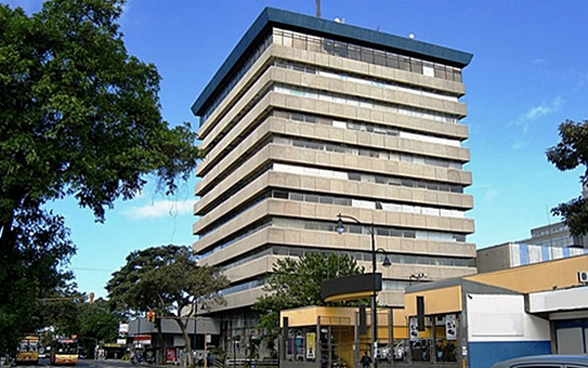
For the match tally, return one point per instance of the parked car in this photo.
(382, 352)
(390, 352)
(399, 351)
(551, 361)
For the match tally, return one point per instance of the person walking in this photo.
(365, 360)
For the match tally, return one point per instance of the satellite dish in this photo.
(411, 36)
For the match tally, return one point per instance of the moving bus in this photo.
(27, 351)
(64, 351)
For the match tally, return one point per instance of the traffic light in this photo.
(150, 316)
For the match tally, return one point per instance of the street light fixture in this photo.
(417, 276)
(386, 263)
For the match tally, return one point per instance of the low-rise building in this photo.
(164, 338)
(471, 321)
(515, 254)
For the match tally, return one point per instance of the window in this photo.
(280, 194)
(404, 63)
(299, 41)
(379, 58)
(392, 60)
(416, 66)
(367, 55)
(312, 198)
(354, 52)
(296, 197)
(439, 71)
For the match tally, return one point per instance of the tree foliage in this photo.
(168, 281)
(73, 315)
(570, 153)
(79, 117)
(97, 323)
(296, 282)
(31, 270)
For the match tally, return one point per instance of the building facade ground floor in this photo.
(471, 321)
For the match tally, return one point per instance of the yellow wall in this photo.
(437, 301)
(347, 345)
(544, 276)
(308, 316)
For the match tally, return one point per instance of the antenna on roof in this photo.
(317, 5)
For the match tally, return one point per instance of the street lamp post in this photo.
(386, 263)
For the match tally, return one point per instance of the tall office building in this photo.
(309, 118)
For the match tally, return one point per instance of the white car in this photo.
(552, 361)
(390, 352)
(399, 351)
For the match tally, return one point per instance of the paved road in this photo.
(85, 363)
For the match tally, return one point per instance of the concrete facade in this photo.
(309, 118)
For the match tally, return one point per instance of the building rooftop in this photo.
(270, 17)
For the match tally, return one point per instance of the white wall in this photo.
(502, 318)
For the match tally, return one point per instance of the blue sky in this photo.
(529, 73)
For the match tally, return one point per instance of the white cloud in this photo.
(489, 195)
(520, 143)
(159, 209)
(537, 112)
(538, 61)
(581, 81)
(542, 110)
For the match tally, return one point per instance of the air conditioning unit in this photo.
(583, 277)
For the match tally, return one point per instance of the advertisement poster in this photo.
(450, 327)
(299, 346)
(170, 355)
(413, 329)
(310, 343)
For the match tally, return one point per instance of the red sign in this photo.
(170, 355)
(142, 339)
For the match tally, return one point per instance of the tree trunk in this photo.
(160, 354)
(8, 258)
(189, 353)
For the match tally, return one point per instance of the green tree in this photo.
(568, 154)
(29, 271)
(168, 281)
(79, 117)
(71, 314)
(97, 323)
(296, 282)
